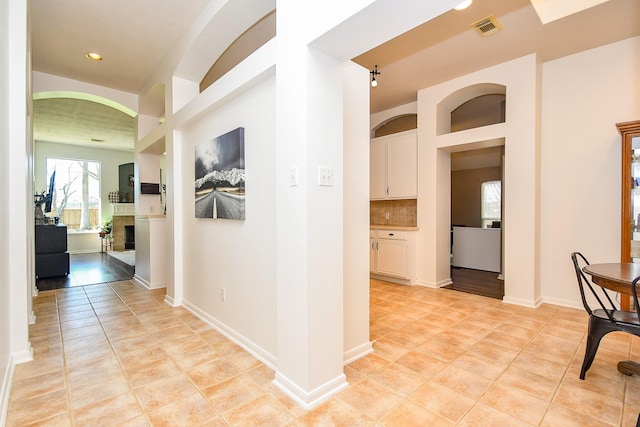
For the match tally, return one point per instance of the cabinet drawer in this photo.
(392, 235)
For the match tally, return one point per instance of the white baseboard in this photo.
(435, 285)
(357, 352)
(563, 303)
(7, 379)
(145, 283)
(5, 390)
(309, 400)
(255, 350)
(523, 302)
(170, 301)
(391, 279)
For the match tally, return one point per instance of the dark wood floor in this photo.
(88, 269)
(477, 282)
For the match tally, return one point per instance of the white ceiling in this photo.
(135, 36)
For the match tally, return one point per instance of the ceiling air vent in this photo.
(487, 26)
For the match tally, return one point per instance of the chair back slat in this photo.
(634, 296)
(579, 261)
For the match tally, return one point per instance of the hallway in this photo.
(115, 354)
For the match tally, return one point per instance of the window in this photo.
(491, 202)
(76, 195)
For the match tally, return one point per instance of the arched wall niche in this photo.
(483, 110)
(471, 99)
(247, 43)
(396, 124)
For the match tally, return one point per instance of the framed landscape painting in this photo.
(219, 177)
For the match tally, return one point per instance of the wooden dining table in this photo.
(617, 277)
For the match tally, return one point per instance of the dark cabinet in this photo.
(52, 257)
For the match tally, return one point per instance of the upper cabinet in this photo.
(394, 166)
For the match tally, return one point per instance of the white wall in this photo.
(584, 96)
(5, 245)
(109, 162)
(356, 213)
(521, 138)
(16, 218)
(237, 255)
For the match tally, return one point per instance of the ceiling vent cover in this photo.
(487, 26)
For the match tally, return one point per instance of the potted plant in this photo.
(106, 227)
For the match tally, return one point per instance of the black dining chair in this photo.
(607, 318)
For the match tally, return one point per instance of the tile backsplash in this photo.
(402, 213)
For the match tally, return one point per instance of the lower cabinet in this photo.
(389, 253)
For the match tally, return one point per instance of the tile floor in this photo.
(114, 354)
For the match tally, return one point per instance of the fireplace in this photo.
(122, 238)
(129, 237)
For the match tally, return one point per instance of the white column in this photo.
(309, 220)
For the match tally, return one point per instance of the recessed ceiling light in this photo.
(93, 55)
(465, 4)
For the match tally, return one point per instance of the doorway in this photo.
(476, 213)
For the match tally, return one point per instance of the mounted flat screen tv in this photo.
(149, 188)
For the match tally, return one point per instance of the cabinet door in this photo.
(372, 255)
(378, 170)
(391, 257)
(402, 169)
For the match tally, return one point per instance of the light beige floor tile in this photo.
(39, 366)
(443, 401)
(399, 379)
(232, 393)
(543, 367)
(137, 421)
(475, 362)
(92, 370)
(182, 344)
(335, 413)
(262, 411)
(516, 403)
(483, 415)
(212, 373)
(60, 420)
(88, 342)
(40, 407)
(437, 353)
(411, 414)
(421, 363)
(559, 416)
(589, 403)
(108, 412)
(44, 329)
(196, 356)
(190, 411)
(530, 382)
(370, 398)
(40, 384)
(150, 372)
(89, 393)
(463, 381)
(369, 364)
(164, 391)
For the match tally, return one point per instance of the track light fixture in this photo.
(374, 73)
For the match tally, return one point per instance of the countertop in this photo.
(392, 227)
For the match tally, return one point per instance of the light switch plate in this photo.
(325, 176)
(293, 176)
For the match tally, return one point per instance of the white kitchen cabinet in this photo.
(389, 253)
(394, 166)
